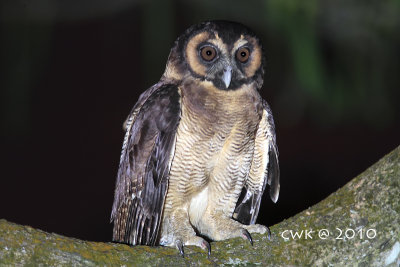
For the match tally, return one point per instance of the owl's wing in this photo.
(265, 170)
(143, 174)
(142, 99)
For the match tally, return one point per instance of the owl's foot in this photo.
(180, 233)
(193, 241)
(221, 228)
(258, 228)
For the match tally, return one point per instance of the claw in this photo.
(207, 245)
(246, 235)
(179, 245)
(269, 233)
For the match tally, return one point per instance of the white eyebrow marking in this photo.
(239, 43)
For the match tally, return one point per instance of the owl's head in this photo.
(228, 54)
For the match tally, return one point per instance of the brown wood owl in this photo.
(200, 145)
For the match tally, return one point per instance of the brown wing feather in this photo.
(142, 180)
(136, 108)
(249, 201)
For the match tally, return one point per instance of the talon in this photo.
(269, 233)
(246, 235)
(179, 245)
(207, 245)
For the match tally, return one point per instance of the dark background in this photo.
(72, 70)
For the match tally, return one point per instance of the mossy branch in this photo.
(368, 207)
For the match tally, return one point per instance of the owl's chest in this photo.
(215, 138)
(217, 112)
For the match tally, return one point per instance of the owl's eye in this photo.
(243, 54)
(208, 53)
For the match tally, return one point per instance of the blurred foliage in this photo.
(345, 57)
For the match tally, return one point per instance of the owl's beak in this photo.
(227, 76)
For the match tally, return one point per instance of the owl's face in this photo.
(227, 54)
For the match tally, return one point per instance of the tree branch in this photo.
(362, 218)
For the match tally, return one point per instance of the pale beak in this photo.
(227, 76)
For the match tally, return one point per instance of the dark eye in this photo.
(208, 53)
(243, 54)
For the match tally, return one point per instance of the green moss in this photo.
(369, 201)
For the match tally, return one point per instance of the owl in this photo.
(200, 146)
